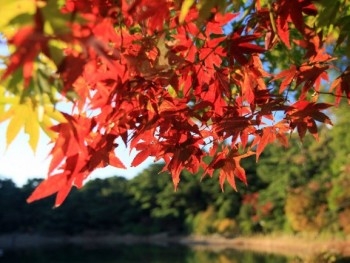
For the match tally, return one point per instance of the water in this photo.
(135, 254)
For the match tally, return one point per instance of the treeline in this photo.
(303, 188)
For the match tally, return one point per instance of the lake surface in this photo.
(135, 254)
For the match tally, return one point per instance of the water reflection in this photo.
(136, 253)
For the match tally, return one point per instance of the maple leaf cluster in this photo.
(174, 80)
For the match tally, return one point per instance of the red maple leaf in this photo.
(30, 40)
(342, 85)
(156, 12)
(48, 187)
(292, 12)
(31, 43)
(228, 163)
(239, 44)
(101, 152)
(303, 114)
(288, 76)
(308, 75)
(270, 134)
(215, 25)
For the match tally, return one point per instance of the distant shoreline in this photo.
(284, 245)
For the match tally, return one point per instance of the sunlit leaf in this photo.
(10, 9)
(186, 5)
(16, 123)
(32, 128)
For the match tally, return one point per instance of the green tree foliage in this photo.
(287, 169)
(339, 198)
(306, 208)
(340, 143)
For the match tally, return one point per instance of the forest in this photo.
(298, 189)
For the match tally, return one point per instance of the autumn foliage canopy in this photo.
(197, 84)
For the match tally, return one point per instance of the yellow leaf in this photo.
(16, 123)
(45, 125)
(10, 10)
(32, 128)
(5, 101)
(8, 100)
(172, 91)
(54, 114)
(184, 9)
(4, 115)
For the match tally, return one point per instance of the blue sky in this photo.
(19, 163)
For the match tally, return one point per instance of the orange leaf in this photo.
(140, 157)
(48, 187)
(115, 161)
(62, 194)
(288, 76)
(268, 136)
